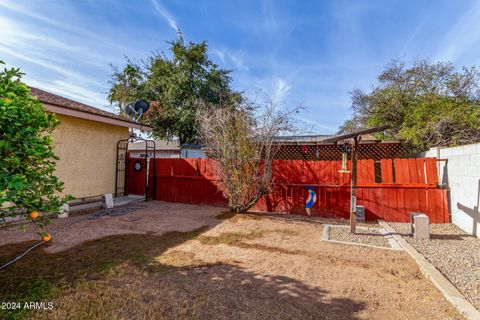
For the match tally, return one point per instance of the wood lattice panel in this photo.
(375, 151)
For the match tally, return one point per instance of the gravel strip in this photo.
(453, 252)
(370, 236)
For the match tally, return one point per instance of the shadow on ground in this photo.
(436, 236)
(39, 275)
(120, 277)
(227, 291)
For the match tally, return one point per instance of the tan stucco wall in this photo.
(87, 151)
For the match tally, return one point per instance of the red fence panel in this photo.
(407, 185)
(187, 181)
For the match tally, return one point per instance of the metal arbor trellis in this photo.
(121, 175)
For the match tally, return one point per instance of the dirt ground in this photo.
(174, 261)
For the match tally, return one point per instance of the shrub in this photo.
(27, 160)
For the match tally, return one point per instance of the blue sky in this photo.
(309, 52)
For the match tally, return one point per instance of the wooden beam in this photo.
(353, 192)
(355, 134)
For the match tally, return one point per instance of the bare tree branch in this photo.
(240, 136)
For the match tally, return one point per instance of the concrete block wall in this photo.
(462, 174)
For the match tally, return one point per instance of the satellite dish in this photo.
(137, 109)
(141, 105)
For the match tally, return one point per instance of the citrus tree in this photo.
(27, 161)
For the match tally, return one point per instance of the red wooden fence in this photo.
(389, 190)
(188, 181)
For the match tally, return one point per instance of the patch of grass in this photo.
(177, 258)
(239, 240)
(288, 232)
(37, 290)
(105, 267)
(41, 275)
(262, 247)
(230, 238)
(139, 257)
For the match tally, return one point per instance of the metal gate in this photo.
(132, 173)
(137, 181)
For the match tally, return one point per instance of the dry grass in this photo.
(237, 238)
(39, 274)
(246, 267)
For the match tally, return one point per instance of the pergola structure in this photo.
(354, 139)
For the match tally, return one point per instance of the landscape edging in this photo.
(326, 238)
(449, 291)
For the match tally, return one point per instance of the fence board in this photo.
(400, 194)
(410, 185)
(421, 170)
(387, 172)
(370, 168)
(389, 203)
(412, 171)
(431, 170)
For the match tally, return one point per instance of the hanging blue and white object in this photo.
(312, 198)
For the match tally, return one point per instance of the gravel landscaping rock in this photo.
(370, 236)
(453, 252)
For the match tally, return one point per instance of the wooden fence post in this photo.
(353, 188)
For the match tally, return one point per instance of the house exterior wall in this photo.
(192, 153)
(158, 154)
(462, 174)
(87, 152)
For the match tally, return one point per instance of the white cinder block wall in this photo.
(462, 174)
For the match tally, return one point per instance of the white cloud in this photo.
(15, 7)
(53, 22)
(280, 91)
(72, 91)
(238, 61)
(34, 42)
(47, 65)
(230, 59)
(463, 36)
(316, 126)
(220, 54)
(165, 14)
(57, 57)
(407, 46)
(275, 88)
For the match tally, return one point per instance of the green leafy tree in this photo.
(27, 161)
(128, 85)
(424, 104)
(173, 84)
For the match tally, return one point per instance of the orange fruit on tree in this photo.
(46, 237)
(34, 214)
